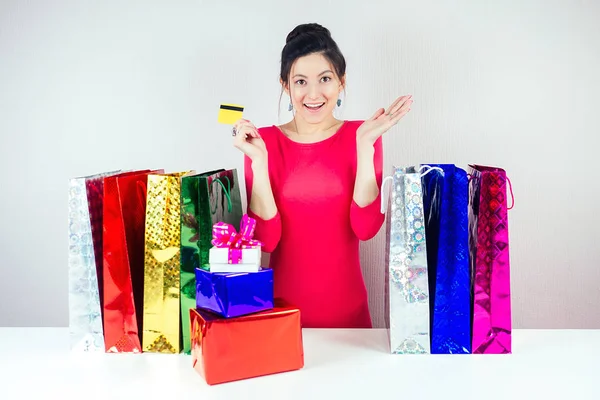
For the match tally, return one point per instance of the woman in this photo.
(313, 184)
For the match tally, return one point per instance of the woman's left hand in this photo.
(383, 120)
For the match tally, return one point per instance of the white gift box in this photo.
(221, 256)
(233, 268)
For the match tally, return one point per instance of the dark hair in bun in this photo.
(307, 29)
(308, 39)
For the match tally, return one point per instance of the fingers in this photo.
(398, 104)
(246, 138)
(240, 124)
(400, 108)
(240, 121)
(247, 131)
(245, 128)
(401, 112)
(377, 114)
(393, 105)
(398, 115)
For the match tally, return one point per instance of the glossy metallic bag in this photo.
(406, 279)
(85, 267)
(490, 261)
(124, 212)
(206, 199)
(445, 200)
(161, 319)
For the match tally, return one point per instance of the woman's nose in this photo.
(313, 92)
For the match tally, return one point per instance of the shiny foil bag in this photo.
(268, 342)
(161, 318)
(206, 199)
(95, 195)
(490, 262)
(234, 294)
(124, 213)
(406, 279)
(445, 199)
(85, 311)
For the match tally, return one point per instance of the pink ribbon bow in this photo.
(225, 236)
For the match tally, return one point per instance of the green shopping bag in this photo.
(206, 199)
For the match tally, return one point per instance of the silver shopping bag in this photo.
(406, 278)
(85, 263)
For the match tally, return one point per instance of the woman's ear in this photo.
(284, 86)
(343, 82)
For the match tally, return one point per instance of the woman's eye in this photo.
(300, 82)
(326, 79)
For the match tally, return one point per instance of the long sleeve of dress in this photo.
(267, 231)
(366, 221)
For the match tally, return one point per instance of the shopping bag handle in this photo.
(384, 198)
(226, 191)
(390, 178)
(512, 196)
(441, 171)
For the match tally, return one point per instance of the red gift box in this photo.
(230, 349)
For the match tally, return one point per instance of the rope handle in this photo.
(226, 191)
(390, 178)
(512, 196)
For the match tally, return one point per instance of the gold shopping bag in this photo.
(161, 321)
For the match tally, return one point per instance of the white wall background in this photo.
(91, 86)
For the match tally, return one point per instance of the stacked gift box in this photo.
(157, 264)
(238, 329)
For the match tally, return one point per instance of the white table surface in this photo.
(339, 364)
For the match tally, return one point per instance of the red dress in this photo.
(314, 238)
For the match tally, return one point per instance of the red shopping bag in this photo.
(124, 211)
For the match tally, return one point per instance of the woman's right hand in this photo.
(248, 140)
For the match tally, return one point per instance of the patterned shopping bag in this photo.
(161, 319)
(446, 197)
(406, 275)
(490, 261)
(85, 267)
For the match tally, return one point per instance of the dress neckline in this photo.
(326, 140)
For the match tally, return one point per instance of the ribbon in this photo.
(225, 236)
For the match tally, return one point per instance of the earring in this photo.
(290, 107)
(339, 102)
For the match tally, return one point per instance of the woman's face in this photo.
(314, 88)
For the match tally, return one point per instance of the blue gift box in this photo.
(232, 294)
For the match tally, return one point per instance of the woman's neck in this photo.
(304, 131)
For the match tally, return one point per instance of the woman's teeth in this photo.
(314, 106)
